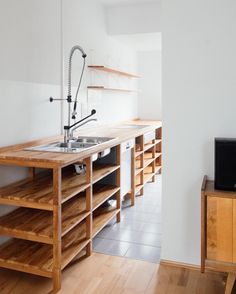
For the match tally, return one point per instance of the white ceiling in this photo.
(121, 2)
(141, 42)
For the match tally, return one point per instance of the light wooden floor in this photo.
(103, 274)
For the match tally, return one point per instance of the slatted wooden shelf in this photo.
(37, 225)
(148, 169)
(147, 177)
(148, 146)
(102, 170)
(73, 243)
(38, 193)
(101, 193)
(102, 88)
(158, 141)
(37, 258)
(138, 153)
(27, 256)
(113, 71)
(138, 187)
(101, 217)
(29, 193)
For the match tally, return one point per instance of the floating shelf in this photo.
(101, 217)
(102, 88)
(101, 193)
(37, 225)
(113, 71)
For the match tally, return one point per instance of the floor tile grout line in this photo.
(130, 242)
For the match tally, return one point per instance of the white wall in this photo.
(84, 24)
(29, 74)
(134, 18)
(199, 102)
(149, 97)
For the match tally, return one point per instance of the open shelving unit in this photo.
(59, 212)
(147, 161)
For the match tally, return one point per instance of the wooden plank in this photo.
(203, 224)
(37, 225)
(101, 193)
(113, 71)
(27, 256)
(38, 192)
(102, 88)
(102, 170)
(101, 217)
(37, 258)
(219, 229)
(118, 182)
(57, 190)
(234, 231)
(73, 243)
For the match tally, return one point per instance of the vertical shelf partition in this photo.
(58, 214)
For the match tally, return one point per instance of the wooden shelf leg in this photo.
(89, 193)
(132, 194)
(118, 195)
(230, 283)
(56, 230)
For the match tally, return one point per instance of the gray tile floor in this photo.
(138, 235)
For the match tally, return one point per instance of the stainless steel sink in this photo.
(131, 126)
(75, 146)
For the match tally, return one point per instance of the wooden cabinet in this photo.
(218, 228)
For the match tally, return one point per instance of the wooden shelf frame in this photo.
(147, 160)
(54, 219)
(113, 71)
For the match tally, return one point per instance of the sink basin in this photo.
(93, 140)
(76, 146)
(131, 126)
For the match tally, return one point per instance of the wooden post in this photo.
(203, 224)
(56, 229)
(142, 165)
(132, 194)
(154, 161)
(31, 172)
(230, 283)
(89, 191)
(118, 195)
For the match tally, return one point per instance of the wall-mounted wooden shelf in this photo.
(102, 88)
(113, 71)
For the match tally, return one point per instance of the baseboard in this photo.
(180, 264)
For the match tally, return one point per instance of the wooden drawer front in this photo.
(234, 230)
(220, 229)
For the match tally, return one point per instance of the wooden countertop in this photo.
(17, 155)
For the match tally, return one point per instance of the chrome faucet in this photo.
(68, 135)
(69, 129)
(78, 126)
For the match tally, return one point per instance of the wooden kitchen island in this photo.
(60, 212)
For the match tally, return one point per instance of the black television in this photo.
(225, 164)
